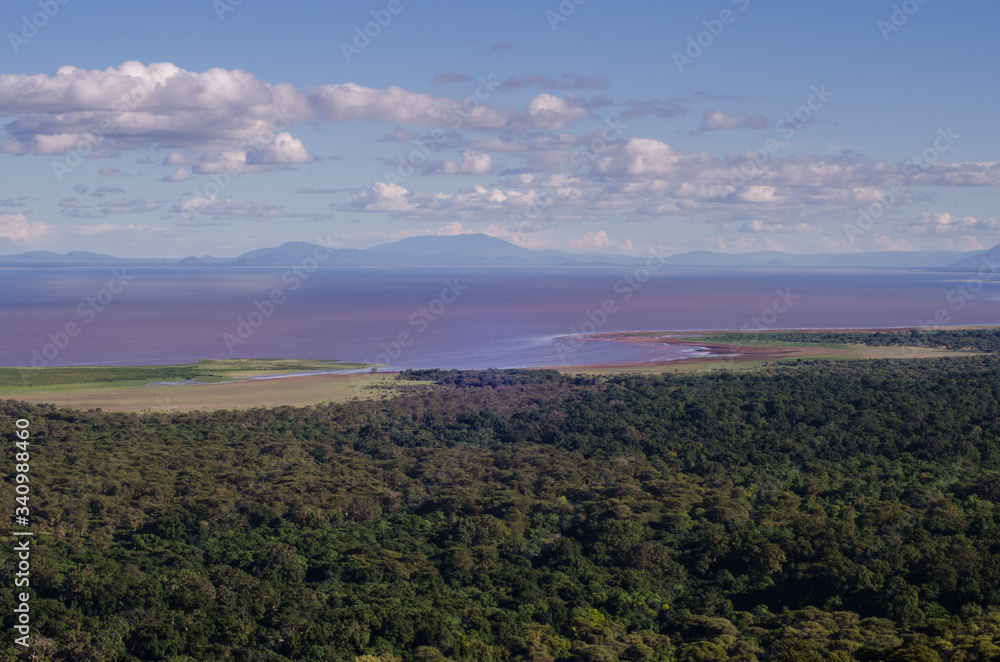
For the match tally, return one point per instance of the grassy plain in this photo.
(230, 383)
(208, 384)
(752, 351)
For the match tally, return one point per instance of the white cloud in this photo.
(128, 206)
(473, 163)
(601, 242)
(945, 224)
(647, 178)
(716, 120)
(758, 226)
(178, 159)
(179, 175)
(105, 228)
(17, 228)
(283, 150)
(352, 102)
(137, 106)
(554, 113)
(383, 197)
(398, 135)
(224, 209)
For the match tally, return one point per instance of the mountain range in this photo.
(483, 250)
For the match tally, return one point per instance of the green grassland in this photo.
(218, 384)
(841, 346)
(205, 371)
(210, 383)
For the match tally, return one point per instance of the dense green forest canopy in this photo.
(823, 511)
(979, 340)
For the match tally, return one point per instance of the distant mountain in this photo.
(483, 250)
(974, 261)
(76, 259)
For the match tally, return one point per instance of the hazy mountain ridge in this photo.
(484, 250)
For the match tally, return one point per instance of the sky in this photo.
(215, 127)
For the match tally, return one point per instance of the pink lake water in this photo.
(445, 317)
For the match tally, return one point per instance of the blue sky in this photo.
(205, 127)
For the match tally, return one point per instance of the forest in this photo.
(824, 510)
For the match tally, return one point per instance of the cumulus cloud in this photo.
(553, 113)
(601, 242)
(474, 203)
(642, 177)
(108, 171)
(231, 121)
(105, 228)
(394, 105)
(398, 135)
(944, 223)
(757, 226)
(473, 163)
(17, 228)
(693, 179)
(178, 159)
(226, 209)
(179, 175)
(384, 197)
(534, 142)
(716, 120)
(283, 150)
(137, 106)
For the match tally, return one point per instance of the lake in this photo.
(445, 317)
